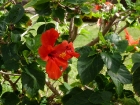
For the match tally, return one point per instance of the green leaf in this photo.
(33, 43)
(78, 22)
(10, 56)
(75, 1)
(119, 86)
(135, 67)
(35, 2)
(102, 97)
(32, 79)
(72, 92)
(59, 13)
(9, 98)
(129, 101)
(11, 64)
(122, 75)
(136, 57)
(112, 61)
(101, 37)
(45, 27)
(26, 54)
(43, 9)
(15, 36)
(85, 9)
(119, 44)
(101, 81)
(2, 28)
(15, 14)
(27, 101)
(136, 81)
(80, 98)
(88, 66)
(65, 87)
(0, 89)
(41, 62)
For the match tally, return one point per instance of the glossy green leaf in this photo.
(112, 61)
(102, 97)
(59, 13)
(135, 66)
(136, 81)
(136, 57)
(15, 14)
(78, 22)
(88, 66)
(9, 98)
(31, 78)
(80, 98)
(43, 9)
(45, 27)
(122, 75)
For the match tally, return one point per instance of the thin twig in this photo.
(122, 28)
(106, 29)
(13, 85)
(5, 73)
(53, 89)
(17, 80)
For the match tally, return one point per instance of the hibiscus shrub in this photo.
(36, 51)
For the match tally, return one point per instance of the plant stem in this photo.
(106, 29)
(53, 89)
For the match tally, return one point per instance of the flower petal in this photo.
(44, 51)
(49, 37)
(53, 70)
(61, 63)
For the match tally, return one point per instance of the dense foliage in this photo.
(35, 60)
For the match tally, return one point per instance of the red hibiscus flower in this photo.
(57, 56)
(130, 39)
(98, 7)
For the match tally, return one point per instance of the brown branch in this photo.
(5, 73)
(122, 28)
(53, 89)
(106, 29)
(13, 85)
